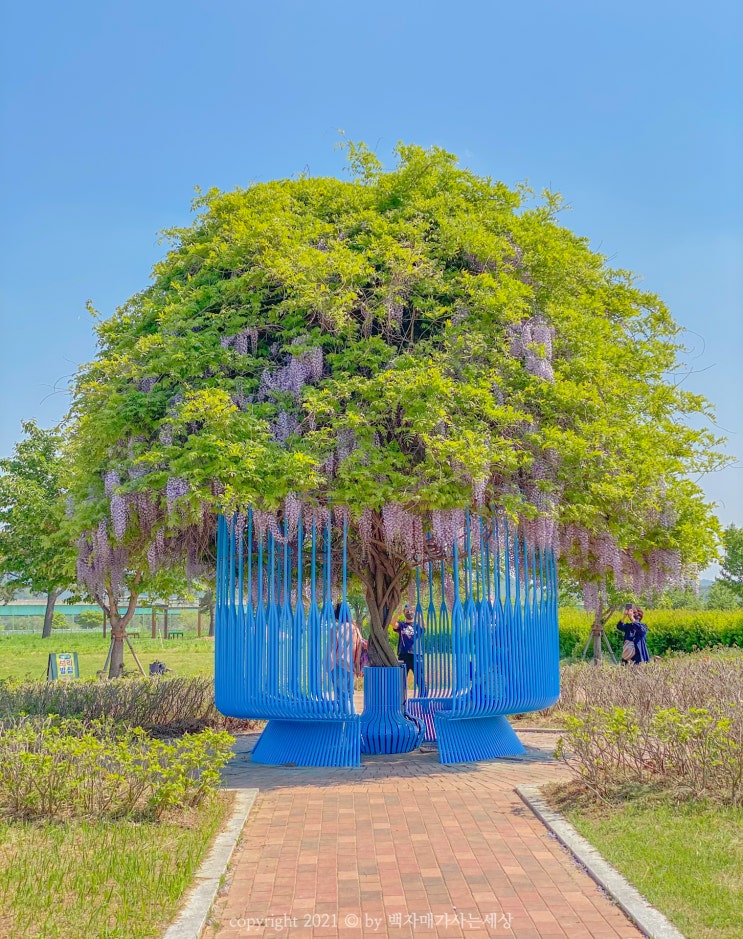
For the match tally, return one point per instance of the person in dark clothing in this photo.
(407, 630)
(635, 650)
(641, 632)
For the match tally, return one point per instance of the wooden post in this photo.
(198, 623)
(104, 624)
(153, 622)
(165, 624)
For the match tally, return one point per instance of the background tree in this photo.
(400, 346)
(677, 598)
(731, 573)
(207, 603)
(35, 551)
(722, 597)
(90, 619)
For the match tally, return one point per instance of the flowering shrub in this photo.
(58, 768)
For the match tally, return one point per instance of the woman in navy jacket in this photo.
(635, 631)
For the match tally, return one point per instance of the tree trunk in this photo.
(211, 618)
(381, 652)
(381, 574)
(116, 665)
(596, 631)
(51, 599)
(118, 629)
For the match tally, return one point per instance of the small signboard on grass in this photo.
(62, 665)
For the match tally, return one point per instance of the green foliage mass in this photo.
(59, 620)
(34, 546)
(731, 574)
(90, 619)
(413, 284)
(61, 767)
(723, 597)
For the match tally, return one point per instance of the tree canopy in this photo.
(34, 543)
(731, 573)
(401, 346)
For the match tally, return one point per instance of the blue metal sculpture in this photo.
(385, 725)
(486, 645)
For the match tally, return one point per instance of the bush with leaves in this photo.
(676, 723)
(57, 768)
(90, 619)
(696, 752)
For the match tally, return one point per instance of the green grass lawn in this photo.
(26, 656)
(118, 880)
(687, 859)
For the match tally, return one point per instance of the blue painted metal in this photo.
(486, 644)
(309, 743)
(385, 726)
(475, 738)
(277, 657)
(494, 650)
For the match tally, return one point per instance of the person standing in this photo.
(634, 649)
(641, 631)
(344, 656)
(407, 630)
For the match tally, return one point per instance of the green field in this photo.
(24, 657)
(687, 858)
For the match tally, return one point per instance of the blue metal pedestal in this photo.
(310, 743)
(385, 726)
(466, 739)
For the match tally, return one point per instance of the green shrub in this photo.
(59, 620)
(59, 768)
(695, 752)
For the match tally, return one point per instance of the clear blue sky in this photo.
(111, 113)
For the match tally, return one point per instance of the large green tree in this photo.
(34, 545)
(731, 573)
(401, 345)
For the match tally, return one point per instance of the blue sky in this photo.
(111, 114)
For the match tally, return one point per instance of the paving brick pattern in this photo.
(408, 849)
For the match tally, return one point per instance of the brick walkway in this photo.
(408, 849)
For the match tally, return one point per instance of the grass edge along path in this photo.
(102, 880)
(686, 858)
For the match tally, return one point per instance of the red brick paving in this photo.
(408, 849)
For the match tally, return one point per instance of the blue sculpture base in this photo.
(467, 739)
(385, 726)
(309, 743)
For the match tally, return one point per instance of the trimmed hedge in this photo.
(668, 630)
